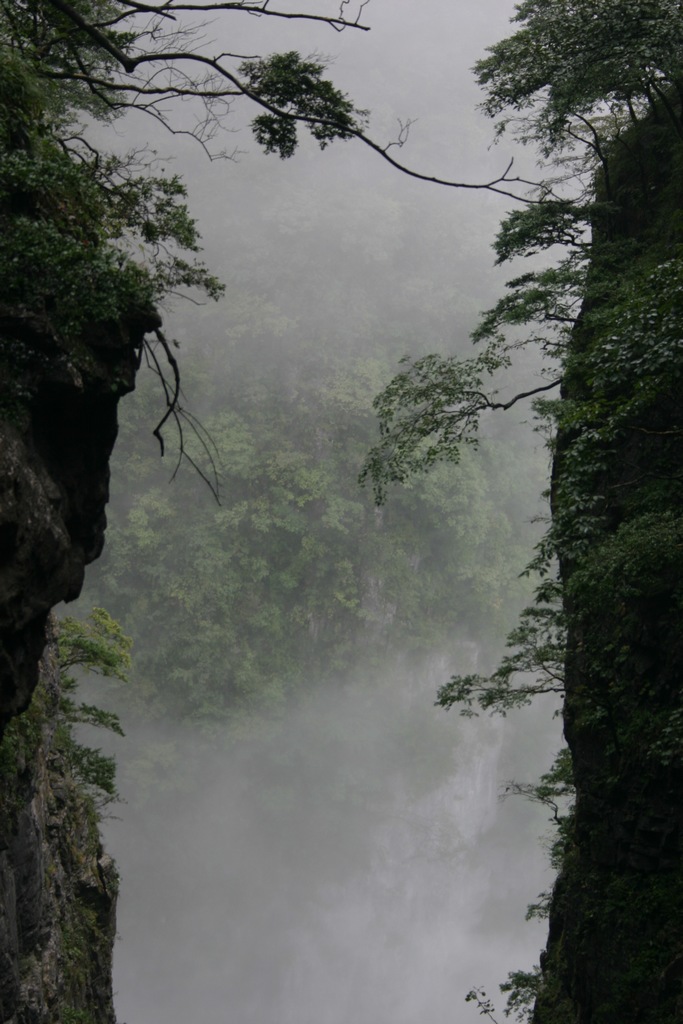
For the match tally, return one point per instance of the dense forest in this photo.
(266, 584)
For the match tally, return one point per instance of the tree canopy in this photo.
(575, 79)
(581, 72)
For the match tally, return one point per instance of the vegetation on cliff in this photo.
(58, 887)
(90, 237)
(598, 87)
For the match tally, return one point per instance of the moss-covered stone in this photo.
(615, 948)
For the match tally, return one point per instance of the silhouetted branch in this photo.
(206, 86)
(488, 404)
(181, 417)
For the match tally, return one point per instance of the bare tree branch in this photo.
(207, 88)
(261, 9)
(181, 417)
(488, 404)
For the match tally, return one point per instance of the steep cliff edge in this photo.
(57, 429)
(58, 887)
(615, 950)
(75, 308)
(58, 408)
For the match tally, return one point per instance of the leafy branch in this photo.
(428, 411)
(95, 646)
(157, 63)
(539, 645)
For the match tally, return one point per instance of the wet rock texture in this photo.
(57, 428)
(58, 424)
(57, 885)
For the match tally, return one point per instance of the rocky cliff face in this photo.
(57, 885)
(57, 429)
(58, 406)
(615, 950)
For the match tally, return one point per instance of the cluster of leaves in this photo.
(633, 570)
(427, 413)
(634, 366)
(46, 37)
(570, 63)
(20, 743)
(522, 988)
(538, 645)
(436, 406)
(84, 237)
(298, 91)
(94, 646)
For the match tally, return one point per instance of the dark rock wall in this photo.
(58, 424)
(615, 948)
(57, 429)
(57, 885)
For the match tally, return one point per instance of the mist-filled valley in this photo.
(353, 862)
(341, 545)
(304, 838)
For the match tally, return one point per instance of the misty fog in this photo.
(340, 869)
(338, 852)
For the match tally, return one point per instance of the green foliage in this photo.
(95, 646)
(431, 410)
(22, 738)
(44, 37)
(72, 1016)
(295, 576)
(86, 237)
(633, 572)
(299, 92)
(522, 989)
(80, 938)
(539, 645)
(539, 226)
(633, 366)
(70, 224)
(21, 101)
(570, 64)
(427, 413)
